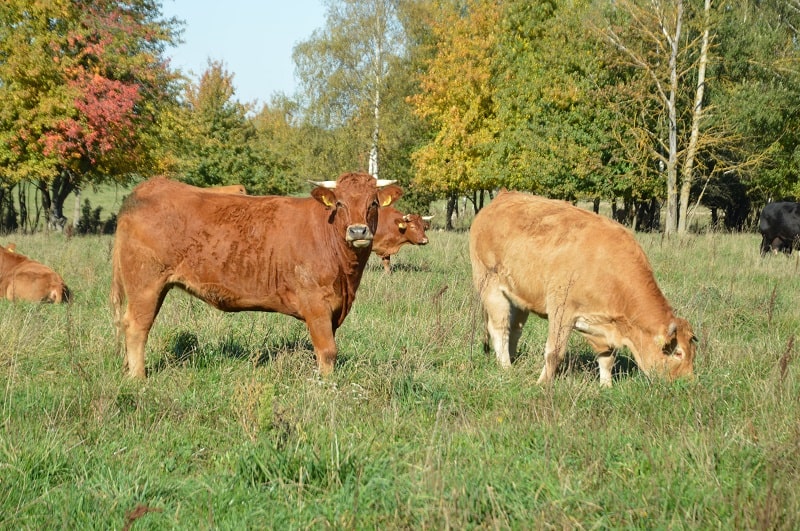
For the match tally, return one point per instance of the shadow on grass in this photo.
(586, 363)
(185, 349)
(401, 266)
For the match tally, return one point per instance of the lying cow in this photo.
(779, 225)
(580, 271)
(28, 280)
(396, 229)
(302, 257)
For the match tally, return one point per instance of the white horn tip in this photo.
(324, 184)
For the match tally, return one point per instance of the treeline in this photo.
(651, 105)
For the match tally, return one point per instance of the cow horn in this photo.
(427, 218)
(380, 183)
(325, 184)
(406, 218)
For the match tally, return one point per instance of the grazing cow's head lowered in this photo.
(581, 272)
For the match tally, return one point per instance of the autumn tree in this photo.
(456, 96)
(81, 86)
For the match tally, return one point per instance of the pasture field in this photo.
(417, 428)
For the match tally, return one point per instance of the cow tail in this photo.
(118, 296)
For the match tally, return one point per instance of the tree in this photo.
(456, 96)
(344, 68)
(553, 130)
(218, 142)
(81, 86)
(757, 82)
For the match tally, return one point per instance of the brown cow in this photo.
(580, 271)
(302, 257)
(396, 229)
(229, 189)
(28, 280)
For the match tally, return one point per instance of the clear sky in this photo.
(253, 38)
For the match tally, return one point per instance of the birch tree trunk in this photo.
(671, 221)
(697, 115)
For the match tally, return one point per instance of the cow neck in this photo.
(649, 310)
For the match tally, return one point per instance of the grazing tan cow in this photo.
(302, 257)
(580, 271)
(396, 229)
(229, 189)
(28, 280)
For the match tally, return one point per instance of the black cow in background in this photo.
(779, 225)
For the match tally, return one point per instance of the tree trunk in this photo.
(671, 222)
(53, 199)
(697, 115)
(452, 201)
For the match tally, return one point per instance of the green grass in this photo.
(417, 428)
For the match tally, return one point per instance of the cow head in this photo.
(354, 200)
(413, 226)
(676, 350)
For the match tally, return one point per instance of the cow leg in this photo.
(766, 245)
(387, 263)
(140, 314)
(322, 337)
(498, 323)
(606, 363)
(556, 346)
(517, 318)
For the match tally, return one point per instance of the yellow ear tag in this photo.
(327, 201)
(401, 226)
(387, 200)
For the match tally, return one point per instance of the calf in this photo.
(580, 271)
(28, 280)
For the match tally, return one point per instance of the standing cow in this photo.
(779, 225)
(396, 229)
(302, 257)
(580, 271)
(28, 280)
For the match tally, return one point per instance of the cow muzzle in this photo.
(359, 236)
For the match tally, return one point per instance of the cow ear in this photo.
(389, 194)
(400, 222)
(326, 196)
(12, 247)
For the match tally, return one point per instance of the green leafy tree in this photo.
(758, 78)
(553, 128)
(81, 87)
(344, 70)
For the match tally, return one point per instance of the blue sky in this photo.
(253, 38)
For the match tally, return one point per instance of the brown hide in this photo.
(229, 189)
(396, 229)
(580, 271)
(302, 257)
(28, 280)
